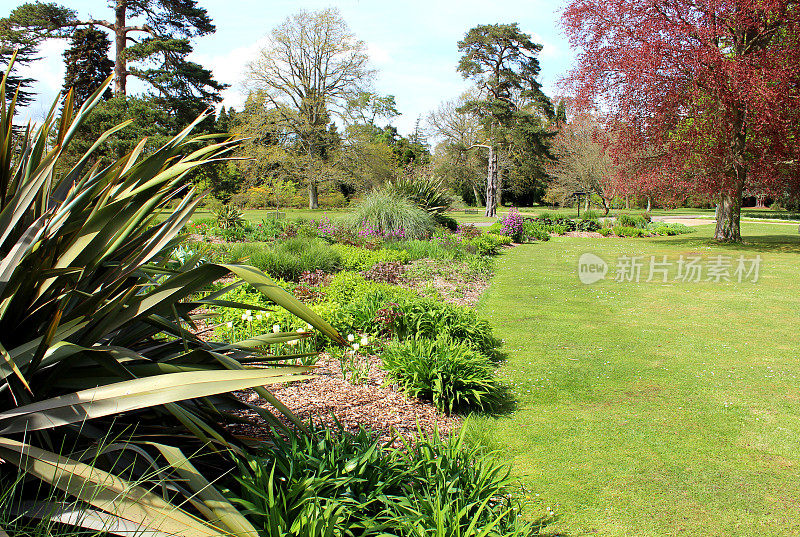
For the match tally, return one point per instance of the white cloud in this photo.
(48, 72)
(230, 68)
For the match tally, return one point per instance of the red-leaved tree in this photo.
(709, 88)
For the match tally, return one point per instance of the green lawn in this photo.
(653, 408)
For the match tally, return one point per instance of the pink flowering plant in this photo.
(512, 225)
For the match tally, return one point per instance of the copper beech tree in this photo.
(708, 88)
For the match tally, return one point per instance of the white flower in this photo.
(229, 324)
(249, 313)
(276, 328)
(249, 318)
(244, 316)
(308, 326)
(259, 317)
(351, 338)
(293, 342)
(355, 347)
(365, 340)
(301, 330)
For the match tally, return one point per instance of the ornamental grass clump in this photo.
(392, 217)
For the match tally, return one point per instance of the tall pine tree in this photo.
(12, 41)
(87, 63)
(158, 56)
(503, 62)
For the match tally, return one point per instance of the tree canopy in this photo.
(86, 63)
(713, 85)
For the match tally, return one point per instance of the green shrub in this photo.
(590, 214)
(341, 483)
(534, 230)
(229, 217)
(501, 240)
(419, 249)
(289, 258)
(483, 245)
(428, 317)
(629, 220)
(346, 286)
(357, 258)
(588, 225)
(458, 490)
(449, 373)
(605, 231)
(663, 228)
(392, 216)
(445, 221)
(628, 231)
(495, 228)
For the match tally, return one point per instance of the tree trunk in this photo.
(477, 194)
(491, 184)
(729, 210)
(729, 207)
(120, 38)
(627, 202)
(606, 206)
(586, 203)
(313, 196)
(649, 203)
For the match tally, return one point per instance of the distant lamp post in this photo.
(578, 194)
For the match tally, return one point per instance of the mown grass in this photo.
(653, 408)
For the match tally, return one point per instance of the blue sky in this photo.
(412, 44)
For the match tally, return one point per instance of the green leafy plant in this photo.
(229, 217)
(336, 482)
(288, 259)
(629, 220)
(534, 230)
(356, 258)
(449, 373)
(427, 192)
(95, 332)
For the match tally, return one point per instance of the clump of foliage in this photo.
(339, 481)
(357, 258)
(426, 191)
(288, 259)
(664, 228)
(534, 230)
(630, 220)
(450, 373)
(229, 217)
(392, 215)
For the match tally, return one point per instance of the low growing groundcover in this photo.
(653, 408)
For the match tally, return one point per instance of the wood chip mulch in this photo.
(370, 404)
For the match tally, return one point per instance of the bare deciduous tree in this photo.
(582, 161)
(311, 67)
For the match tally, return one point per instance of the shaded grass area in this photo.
(653, 408)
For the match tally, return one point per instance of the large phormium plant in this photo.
(96, 339)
